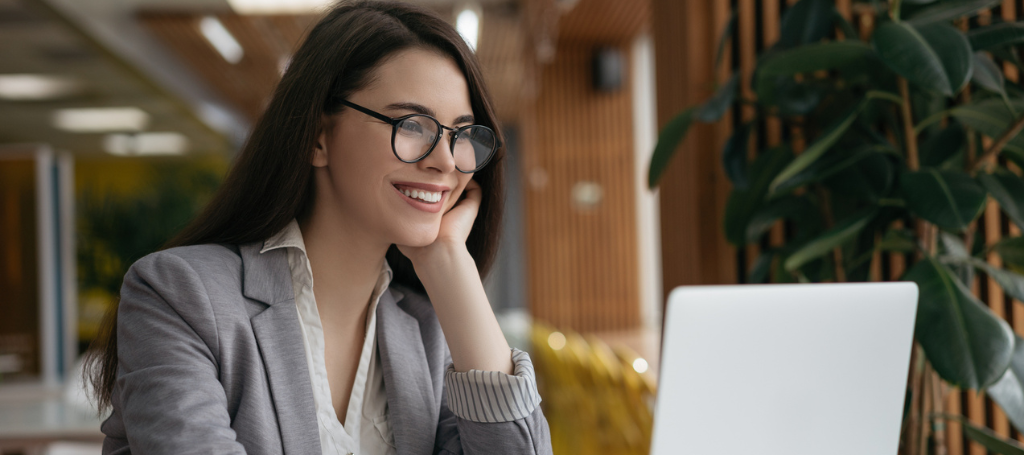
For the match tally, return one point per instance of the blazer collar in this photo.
(266, 276)
(413, 406)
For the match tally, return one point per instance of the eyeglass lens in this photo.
(415, 135)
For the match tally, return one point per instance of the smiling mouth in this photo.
(429, 197)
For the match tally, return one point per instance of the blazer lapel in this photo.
(412, 406)
(267, 278)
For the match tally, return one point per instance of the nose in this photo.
(440, 158)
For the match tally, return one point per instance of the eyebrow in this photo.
(421, 109)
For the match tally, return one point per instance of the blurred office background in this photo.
(119, 118)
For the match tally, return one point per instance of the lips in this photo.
(422, 196)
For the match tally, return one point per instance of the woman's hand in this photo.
(455, 227)
(449, 275)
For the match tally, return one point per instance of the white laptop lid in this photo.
(784, 369)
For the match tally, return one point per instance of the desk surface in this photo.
(44, 414)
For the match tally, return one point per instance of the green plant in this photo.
(117, 228)
(894, 164)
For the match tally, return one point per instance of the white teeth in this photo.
(426, 196)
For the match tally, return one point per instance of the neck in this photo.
(345, 265)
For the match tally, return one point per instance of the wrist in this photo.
(442, 257)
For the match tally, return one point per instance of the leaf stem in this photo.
(884, 95)
(938, 116)
(908, 123)
(998, 145)
(894, 10)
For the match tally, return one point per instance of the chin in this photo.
(417, 236)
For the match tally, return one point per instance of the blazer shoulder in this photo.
(180, 274)
(203, 259)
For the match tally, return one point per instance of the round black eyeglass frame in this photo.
(394, 121)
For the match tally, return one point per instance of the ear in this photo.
(320, 149)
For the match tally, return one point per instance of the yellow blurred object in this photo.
(595, 400)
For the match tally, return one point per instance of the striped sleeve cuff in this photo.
(493, 396)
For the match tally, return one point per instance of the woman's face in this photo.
(361, 182)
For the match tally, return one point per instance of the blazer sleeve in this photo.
(171, 401)
(490, 412)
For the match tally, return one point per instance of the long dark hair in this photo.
(271, 182)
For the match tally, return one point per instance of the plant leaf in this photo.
(1012, 283)
(765, 217)
(998, 35)
(949, 10)
(715, 108)
(953, 50)
(808, 21)
(949, 199)
(906, 52)
(819, 147)
(898, 241)
(987, 438)
(912, 53)
(1008, 189)
(942, 146)
(744, 202)
(734, 155)
(814, 57)
(829, 165)
(988, 75)
(669, 138)
(953, 247)
(1009, 391)
(1012, 252)
(759, 272)
(806, 59)
(966, 343)
(991, 117)
(828, 240)
(1007, 54)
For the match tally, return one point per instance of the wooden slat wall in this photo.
(582, 262)
(685, 43)
(694, 188)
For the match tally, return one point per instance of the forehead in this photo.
(423, 76)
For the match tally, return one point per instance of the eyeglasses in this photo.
(414, 136)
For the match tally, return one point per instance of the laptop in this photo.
(784, 369)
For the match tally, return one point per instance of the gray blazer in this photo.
(211, 360)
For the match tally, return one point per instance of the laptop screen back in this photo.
(784, 369)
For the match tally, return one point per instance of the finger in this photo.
(474, 191)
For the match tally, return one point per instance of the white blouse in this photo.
(366, 429)
(480, 396)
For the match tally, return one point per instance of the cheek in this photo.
(457, 192)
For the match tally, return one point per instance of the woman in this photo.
(276, 324)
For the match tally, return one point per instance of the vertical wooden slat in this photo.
(582, 260)
(747, 46)
(996, 295)
(694, 186)
(975, 411)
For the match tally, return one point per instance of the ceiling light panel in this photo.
(279, 6)
(221, 39)
(146, 144)
(100, 119)
(467, 22)
(36, 87)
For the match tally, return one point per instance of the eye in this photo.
(416, 127)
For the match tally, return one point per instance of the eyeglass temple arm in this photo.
(366, 111)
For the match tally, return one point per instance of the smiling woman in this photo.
(329, 299)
